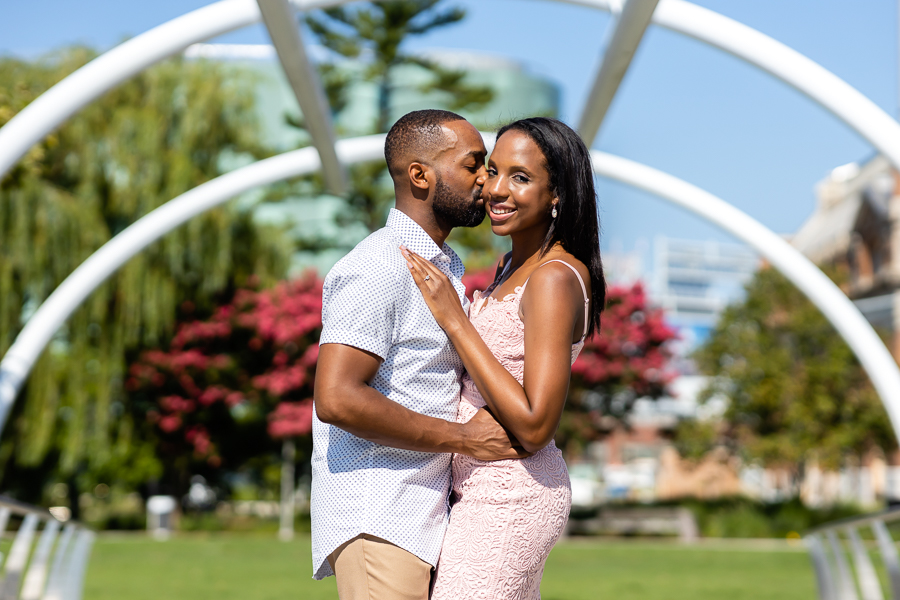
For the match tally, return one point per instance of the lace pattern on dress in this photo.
(506, 515)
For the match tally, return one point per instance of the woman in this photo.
(518, 344)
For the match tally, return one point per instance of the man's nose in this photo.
(482, 176)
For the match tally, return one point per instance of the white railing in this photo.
(51, 569)
(830, 545)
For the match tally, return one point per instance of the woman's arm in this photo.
(551, 306)
(345, 399)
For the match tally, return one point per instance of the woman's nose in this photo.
(495, 187)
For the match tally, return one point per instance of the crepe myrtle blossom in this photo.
(250, 364)
(254, 359)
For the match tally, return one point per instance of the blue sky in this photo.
(684, 108)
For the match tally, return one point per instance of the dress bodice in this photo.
(497, 322)
(506, 515)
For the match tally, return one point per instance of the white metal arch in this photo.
(71, 94)
(625, 34)
(846, 318)
(51, 315)
(64, 99)
(52, 108)
(834, 304)
(306, 84)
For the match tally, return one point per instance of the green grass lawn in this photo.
(252, 567)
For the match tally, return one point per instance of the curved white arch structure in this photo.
(52, 108)
(64, 99)
(777, 59)
(66, 298)
(836, 307)
(84, 85)
(834, 304)
(56, 105)
(628, 29)
(306, 84)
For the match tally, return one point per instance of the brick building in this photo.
(855, 230)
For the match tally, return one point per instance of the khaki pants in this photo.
(370, 568)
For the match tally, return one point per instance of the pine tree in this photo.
(162, 133)
(375, 33)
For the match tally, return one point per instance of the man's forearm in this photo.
(367, 413)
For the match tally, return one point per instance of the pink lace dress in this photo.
(506, 515)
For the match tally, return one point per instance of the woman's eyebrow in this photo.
(519, 168)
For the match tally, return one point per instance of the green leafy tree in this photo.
(160, 134)
(796, 391)
(375, 33)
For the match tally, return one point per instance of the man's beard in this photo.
(457, 210)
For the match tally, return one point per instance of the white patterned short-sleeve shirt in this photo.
(371, 302)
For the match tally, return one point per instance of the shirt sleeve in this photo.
(358, 307)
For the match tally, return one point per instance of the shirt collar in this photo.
(417, 239)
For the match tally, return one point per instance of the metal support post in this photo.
(627, 35)
(288, 456)
(301, 73)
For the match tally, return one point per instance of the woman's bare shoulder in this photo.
(553, 270)
(553, 289)
(551, 281)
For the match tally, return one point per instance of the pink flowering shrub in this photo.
(291, 419)
(231, 384)
(478, 280)
(630, 350)
(627, 358)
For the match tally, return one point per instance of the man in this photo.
(387, 381)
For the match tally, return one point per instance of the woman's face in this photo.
(517, 192)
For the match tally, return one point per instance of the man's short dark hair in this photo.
(417, 135)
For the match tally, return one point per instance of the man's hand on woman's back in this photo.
(485, 439)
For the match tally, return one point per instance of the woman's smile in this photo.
(500, 213)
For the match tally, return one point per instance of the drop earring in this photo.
(553, 213)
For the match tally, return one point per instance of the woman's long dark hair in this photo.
(577, 224)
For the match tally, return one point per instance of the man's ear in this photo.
(420, 176)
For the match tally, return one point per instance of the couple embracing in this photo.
(434, 468)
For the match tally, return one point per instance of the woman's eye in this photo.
(520, 178)
(491, 172)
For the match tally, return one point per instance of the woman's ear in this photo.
(420, 176)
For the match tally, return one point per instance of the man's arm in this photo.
(345, 399)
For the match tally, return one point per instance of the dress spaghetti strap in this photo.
(583, 291)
